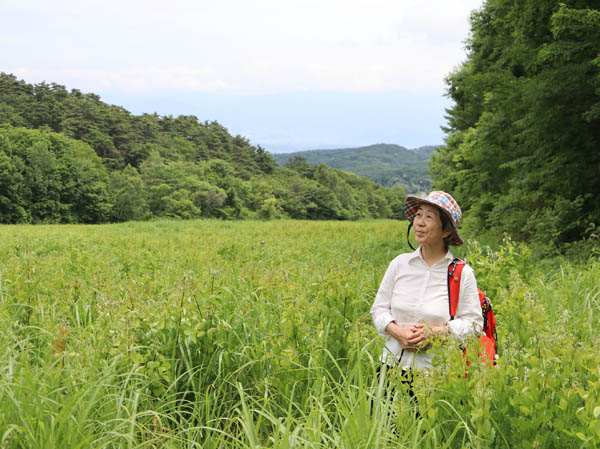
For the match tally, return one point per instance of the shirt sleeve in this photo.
(469, 319)
(381, 311)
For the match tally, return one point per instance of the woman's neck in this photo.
(433, 254)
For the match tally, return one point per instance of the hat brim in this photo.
(411, 206)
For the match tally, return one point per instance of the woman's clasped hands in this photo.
(417, 336)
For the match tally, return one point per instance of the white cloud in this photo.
(236, 46)
(132, 79)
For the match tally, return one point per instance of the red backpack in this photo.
(488, 346)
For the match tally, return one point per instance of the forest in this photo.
(522, 153)
(68, 157)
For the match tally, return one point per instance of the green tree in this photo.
(300, 164)
(209, 199)
(521, 155)
(12, 204)
(395, 199)
(269, 209)
(54, 178)
(86, 188)
(264, 160)
(128, 195)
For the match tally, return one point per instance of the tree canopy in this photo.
(522, 153)
(69, 157)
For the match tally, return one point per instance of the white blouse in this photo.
(411, 292)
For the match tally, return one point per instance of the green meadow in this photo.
(212, 334)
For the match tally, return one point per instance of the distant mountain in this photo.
(386, 164)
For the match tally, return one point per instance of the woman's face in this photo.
(427, 226)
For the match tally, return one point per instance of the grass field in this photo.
(214, 334)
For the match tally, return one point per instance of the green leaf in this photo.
(595, 427)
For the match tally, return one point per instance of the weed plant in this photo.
(210, 334)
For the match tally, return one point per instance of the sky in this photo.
(287, 74)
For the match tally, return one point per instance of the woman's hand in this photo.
(409, 336)
(417, 336)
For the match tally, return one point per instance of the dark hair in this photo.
(446, 226)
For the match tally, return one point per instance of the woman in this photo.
(411, 306)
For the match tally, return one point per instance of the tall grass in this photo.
(252, 335)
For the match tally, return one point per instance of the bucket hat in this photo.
(441, 200)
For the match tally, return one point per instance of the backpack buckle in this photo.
(452, 268)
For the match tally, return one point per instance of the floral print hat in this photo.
(439, 199)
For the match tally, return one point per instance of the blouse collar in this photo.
(416, 254)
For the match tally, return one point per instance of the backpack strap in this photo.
(454, 273)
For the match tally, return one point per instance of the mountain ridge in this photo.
(385, 164)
